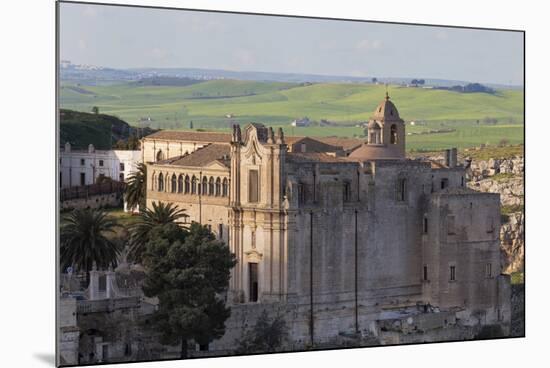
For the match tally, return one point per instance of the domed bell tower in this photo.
(386, 128)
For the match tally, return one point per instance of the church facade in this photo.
(340, 236)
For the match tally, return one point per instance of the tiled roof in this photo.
(345, 143)
(201, 157)
(298, 157)
(180, 135)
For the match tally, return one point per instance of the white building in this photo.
(84, 167)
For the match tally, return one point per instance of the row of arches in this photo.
(185, 184)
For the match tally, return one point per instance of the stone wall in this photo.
(97, 201)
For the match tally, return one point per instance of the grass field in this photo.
(277, 104)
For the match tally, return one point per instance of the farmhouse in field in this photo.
(341, 237)
(302, 122)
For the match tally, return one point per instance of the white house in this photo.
(84, 167)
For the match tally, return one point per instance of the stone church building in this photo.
(340, 236)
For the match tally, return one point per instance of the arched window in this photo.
(204, 189)
(161, 183)
(154, 182)
(393, 134)
(180, 183)
(160, 155)
(187, 184)
(211, 186)
(173, 186)
(347, 191)
(218, 187)
(194, 185)
(225, 188)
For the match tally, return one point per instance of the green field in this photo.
(277, 104)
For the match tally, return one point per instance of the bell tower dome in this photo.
(385, 134)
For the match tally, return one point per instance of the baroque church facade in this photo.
(340, 235)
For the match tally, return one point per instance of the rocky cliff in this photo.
(504, 176)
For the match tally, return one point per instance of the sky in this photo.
(127, 37)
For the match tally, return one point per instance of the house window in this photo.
(444, 183)
(218, 187)
(121, 166)
(425, 225)
(211, 186)
(194, 185)
(204, 185)
(488, 270)
(102, 283)
(253, 186)
(452, 273)
(253, 282)
(82, 162)
(161, 183)
(100, 162)
(401, 189)
(180, 183)
(220, 231)
(173, 185)
(225, 187)
(425, 273)
(121, 177)
(82, 179)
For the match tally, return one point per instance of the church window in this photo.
(444, 183)
(401, 189)
(161, 183)
(121, 166)
(450, 225)
(160, 155)
(82, 179)
(490, 225)
(253, 186)
(102, 283)
(218, 187)
(425, 273)
(452, 273)
(173, 185)
(347, 191)
(82, 162)
(393, 134)
(253, 282)
(301, 193)
(425, 225)
(211, 186)
(100, 162)
(180, 183)
(220, 231)
(225, 188)
(488, 270)
(187, 184)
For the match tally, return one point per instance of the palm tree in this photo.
(84, 241)
(160, 214)
(136, 187)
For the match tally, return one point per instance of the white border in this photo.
(27, 180)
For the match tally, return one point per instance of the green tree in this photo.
(95, 110)
(136, 187)
(160, 214)
(191, 124)
(188, 270)
(267, 336)
(85, 241)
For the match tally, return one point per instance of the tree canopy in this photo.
(189, 271)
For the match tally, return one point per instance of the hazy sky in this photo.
(125, 37)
